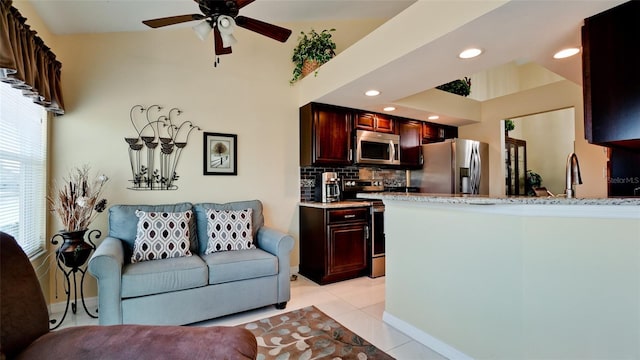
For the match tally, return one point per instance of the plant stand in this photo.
(70, 258)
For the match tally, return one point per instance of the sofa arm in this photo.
(274, 241)
(106, 266)
(280, 245)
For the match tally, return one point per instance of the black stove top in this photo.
(351, 188)
(362, 185)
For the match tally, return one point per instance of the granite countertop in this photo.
(335, 205)
(486, 200)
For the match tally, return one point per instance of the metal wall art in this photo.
(153, 167)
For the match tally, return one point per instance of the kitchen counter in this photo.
(486, 200)
(528, 277)
(335, 205)
(619, 208)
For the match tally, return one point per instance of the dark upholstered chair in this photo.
(24, 327)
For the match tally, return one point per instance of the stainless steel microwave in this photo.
(377, 148)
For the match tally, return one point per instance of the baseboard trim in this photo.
(425, 339)
(92, 304)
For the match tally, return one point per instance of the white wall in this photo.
(554, 96)
(508, 285)
(550, 138)
(248, 94)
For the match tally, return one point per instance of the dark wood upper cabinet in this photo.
(374, 122)
(385, 124)
(611, 79)
(325, 135)
(410, 142)
(435, 132)
(365, 121)
(450, 132)
(432, 132)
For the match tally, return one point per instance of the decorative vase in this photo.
(309, 66)
(74, 251)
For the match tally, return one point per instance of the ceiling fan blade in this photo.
(172, 20)
(243, 3)
(275, 32)
(217, 38)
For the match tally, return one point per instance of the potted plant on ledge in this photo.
(460, 87)
(313, 50)
(508, 126)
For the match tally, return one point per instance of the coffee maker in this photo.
(327, 188)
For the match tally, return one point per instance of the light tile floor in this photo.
(357, 304)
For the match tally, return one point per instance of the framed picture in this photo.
(220, 154)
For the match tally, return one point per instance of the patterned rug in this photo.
(308, 333)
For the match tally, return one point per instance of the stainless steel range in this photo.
(375, 245)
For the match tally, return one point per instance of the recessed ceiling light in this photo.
(470, 53)
(389, 108)
(433, 117)
(565, 53)
(372, 93)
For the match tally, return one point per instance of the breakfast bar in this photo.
(514, 278)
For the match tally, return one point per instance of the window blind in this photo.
(22, 169)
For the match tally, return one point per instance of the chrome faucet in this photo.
(573, 175)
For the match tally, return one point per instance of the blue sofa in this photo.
(189, 289)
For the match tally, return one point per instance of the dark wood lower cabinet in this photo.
(333, 243)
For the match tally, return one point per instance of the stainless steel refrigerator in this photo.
(455, 166)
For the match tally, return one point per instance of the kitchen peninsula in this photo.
(514, 278)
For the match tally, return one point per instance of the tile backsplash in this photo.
(308, 177)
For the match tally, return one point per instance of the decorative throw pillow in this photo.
(161, 235)
(229, 230)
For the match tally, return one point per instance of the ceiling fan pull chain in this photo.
(216, 61)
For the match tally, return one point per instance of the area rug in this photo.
(308, 333)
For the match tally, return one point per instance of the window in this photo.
(22, 169)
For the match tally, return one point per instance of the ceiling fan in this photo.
(221, 16)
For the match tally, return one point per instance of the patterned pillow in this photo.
(161, 235)
(229, 230)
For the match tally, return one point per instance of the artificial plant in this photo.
(312, 46)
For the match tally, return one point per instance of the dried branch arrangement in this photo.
(78, 201)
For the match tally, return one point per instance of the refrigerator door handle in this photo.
(475, 167)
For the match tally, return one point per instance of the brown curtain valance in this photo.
(26, 62)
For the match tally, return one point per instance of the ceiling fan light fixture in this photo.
(565, 53)
(470, 53)
(226, 26)
(202, 29)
